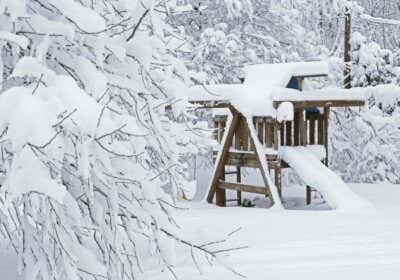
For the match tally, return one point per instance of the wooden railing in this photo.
(266, 128)
(271, 136)
(290, 131)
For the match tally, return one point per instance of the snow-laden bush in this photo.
(365, 142)
(371, 65)
(221, 55)
(94, 137)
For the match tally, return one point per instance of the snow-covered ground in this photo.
(293, 244)
(8, 262)
(299, 244)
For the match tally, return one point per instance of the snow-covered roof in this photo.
(331, 94)
(279, 74)
(246, 98)
(256, 101)
(265, 90)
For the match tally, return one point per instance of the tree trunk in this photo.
(347, 59)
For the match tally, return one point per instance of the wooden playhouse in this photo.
(274, 123)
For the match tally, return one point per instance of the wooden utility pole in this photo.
(347, 58)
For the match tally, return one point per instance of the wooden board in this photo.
(246, 159)
(243, 188)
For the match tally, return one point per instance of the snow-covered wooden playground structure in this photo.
(275, 122)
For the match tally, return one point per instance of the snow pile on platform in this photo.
(316, 175)
(279, 74)
(332, 94)
(245, 98)
(258, 101)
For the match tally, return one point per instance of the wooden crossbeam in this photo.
(246, 159)
(243, 188)
(321, 103)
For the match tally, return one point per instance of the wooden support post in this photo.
(239, 180)
(220, 197)
(308, 195)
(223, 127)
(282, 134)
(320, 130)
(220, 194)
(220, 133)
(302, 128)
(327, 111)
(242, 135)
(260, 129)
(269, 134)
(222, 156)
(296, 130)
(289, 133)
(312, 130)
(305, 131)
(276, 131)
(303, 142)
(216, 131)
(278, 179)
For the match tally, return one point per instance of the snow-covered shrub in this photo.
(94, 137)
(365, 143)
(371, 65)
(221, 55)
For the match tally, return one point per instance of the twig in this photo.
(137, 25)
(235, 231)
(37, 84)
(47, 143)
(64, 118)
